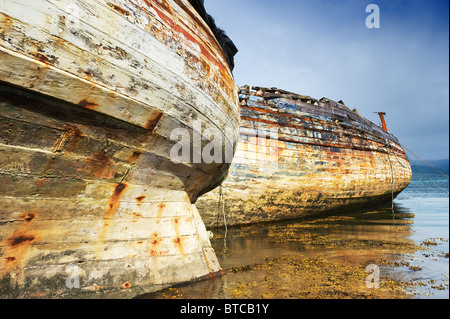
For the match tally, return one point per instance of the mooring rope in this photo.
(424, 161)
(224, 218)
(425, 175)
(221, 205)
(392, 180)
(393, 151)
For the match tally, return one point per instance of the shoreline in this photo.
(327, 258)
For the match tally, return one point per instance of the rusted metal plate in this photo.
(90, 92)
(300, 157)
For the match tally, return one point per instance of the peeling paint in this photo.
(325, 158)
(93, 90)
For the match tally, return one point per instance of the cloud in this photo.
(323, 48)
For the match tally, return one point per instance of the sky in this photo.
(323, 48)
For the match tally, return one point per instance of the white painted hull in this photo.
(90, 92)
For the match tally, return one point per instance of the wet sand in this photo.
(327, 258)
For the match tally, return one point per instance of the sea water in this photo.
(427, 197)
(420, 217)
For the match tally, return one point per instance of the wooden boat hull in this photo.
(298, 157)
(90, 91)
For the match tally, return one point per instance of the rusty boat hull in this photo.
(90, 201)
(300, 157)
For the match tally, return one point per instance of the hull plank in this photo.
(90, 93)
(298, 158)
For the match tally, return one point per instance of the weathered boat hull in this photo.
(90, 92)
(298, 157)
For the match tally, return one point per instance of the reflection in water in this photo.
(325, 237)
(310, 258)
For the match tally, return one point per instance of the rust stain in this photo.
(99, 165)
(154, 241)
(126, 285)
(115, 200)
(7, 21)
(40, 294)
(134, 157)
(140, 199)
(17, 247)
(41, 57)
(153, 121)
(29, 216)
(20, 237)
(139, 215)
(112, 207)
(119, 9)
(47, 60)
(178, 241)
(40, 182)
(213, 274)
(161, 208)
(87, 104)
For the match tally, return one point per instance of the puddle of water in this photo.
(269, 260)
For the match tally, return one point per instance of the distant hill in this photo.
(441, 165)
